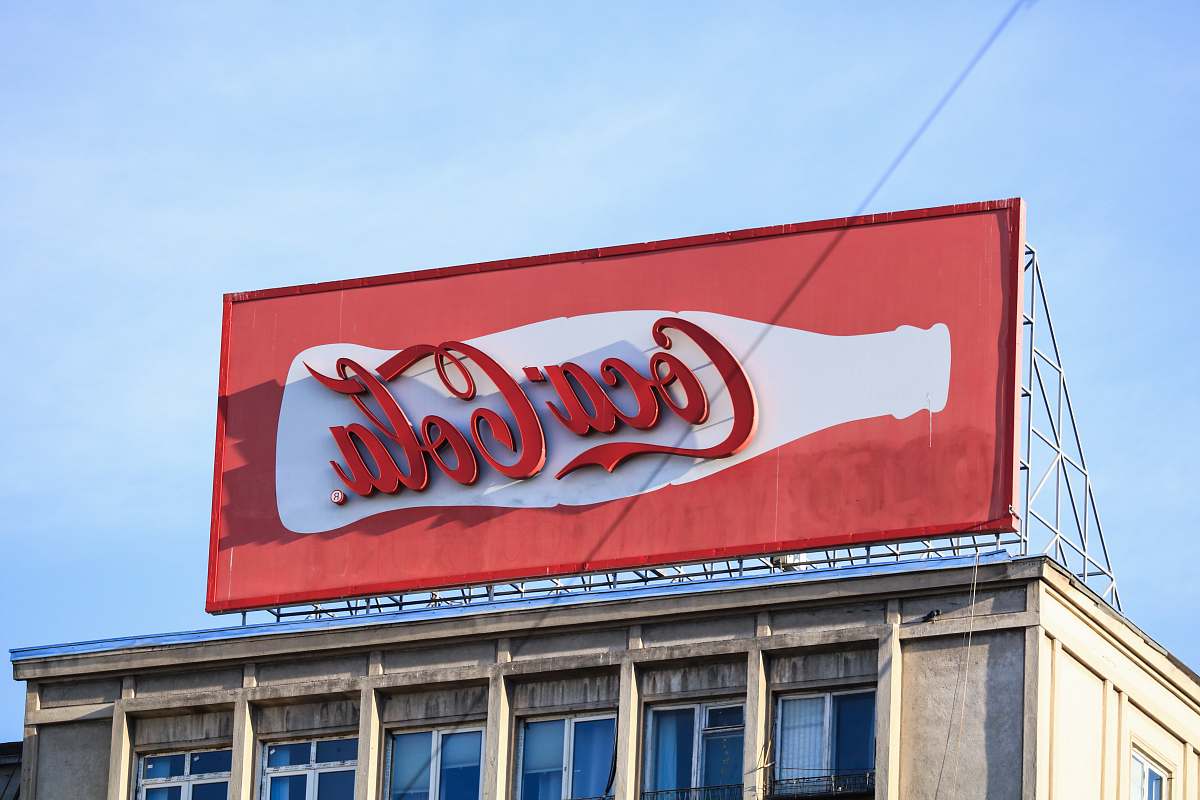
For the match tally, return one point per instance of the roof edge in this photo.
(21, 655)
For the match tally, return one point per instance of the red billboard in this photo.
(801, 386)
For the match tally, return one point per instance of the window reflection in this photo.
(436, 765)
(567, 759)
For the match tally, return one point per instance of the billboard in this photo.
(813, 385)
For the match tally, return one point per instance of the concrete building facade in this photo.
(996, 678)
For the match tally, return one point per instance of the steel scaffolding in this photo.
(1059, 515)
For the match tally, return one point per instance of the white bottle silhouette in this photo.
(803, 382)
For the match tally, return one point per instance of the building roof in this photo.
(519, 617)
(20, 654)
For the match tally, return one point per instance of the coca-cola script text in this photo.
(518, 450)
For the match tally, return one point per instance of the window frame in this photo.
(435, 754)
(311, 770)
(185, 781)
(568, 771)
(699, 727)
(1150, 764)
(827, 726)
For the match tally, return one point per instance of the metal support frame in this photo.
(1058, 515)
(1058, 507)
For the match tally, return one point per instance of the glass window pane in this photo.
(211, 761)
(1154, 786)
(853, 732)
(541, 760)
(164, 793)
(592, 754)
(672, 747)
(459, 779)
(332, 750)
(163, 766)
(724, 717)
(722, 759)
(335, 785)
(801, 746)
(211, 791)
(289, 787)
(410, 766)
(289, 755)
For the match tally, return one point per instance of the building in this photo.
(996, 678)
(443, 476)
(10, 770)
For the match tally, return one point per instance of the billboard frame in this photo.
(1016, 211)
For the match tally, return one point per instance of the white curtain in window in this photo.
(1146, 783)
(801, 737)
(1137, 780)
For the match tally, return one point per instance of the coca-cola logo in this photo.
(615, 404)
(388, 451)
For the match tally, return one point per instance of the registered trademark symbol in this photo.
(338, 497)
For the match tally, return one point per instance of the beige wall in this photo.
(1103, 690)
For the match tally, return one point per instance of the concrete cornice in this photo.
(1121, 632)
(202, 649)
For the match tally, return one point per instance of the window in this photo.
(567, 759)
(1148, 781)
(825, 744)
(321, 769)
(435, 765)
(695, 747)
(198, 775)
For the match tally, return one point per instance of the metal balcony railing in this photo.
(833, 784)
(730, 792)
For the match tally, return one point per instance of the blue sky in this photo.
(155, 156)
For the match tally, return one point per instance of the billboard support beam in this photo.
(1058, 514)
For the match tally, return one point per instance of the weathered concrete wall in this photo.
(698, 630)
(458, 704)
(691, 680)
(302, 718)
(72, 761)
(77, 693)
(459, 654)
(962, 721)
(352, 666)
(578, 692)
(183, 729)
(833, 617)
(209, 680)
(959, 606)
(822, 667)
(567, 644)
